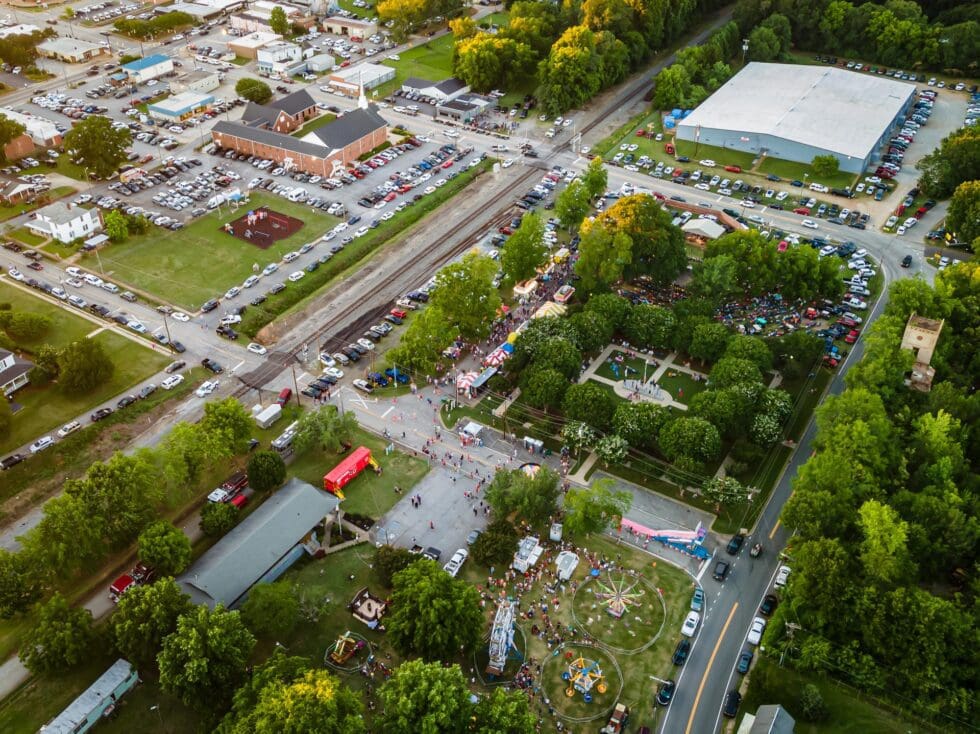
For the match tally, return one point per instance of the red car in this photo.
(852, 336)
(847, 321)
(733, 169)
(448, 163)
(801, 210)
(399, 313)
(35, 265)
(830, 361)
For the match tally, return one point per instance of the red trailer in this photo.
(356, 462)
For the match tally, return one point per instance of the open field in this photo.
(23, 234)
(432, 60)
(201, 261)
(46, 408)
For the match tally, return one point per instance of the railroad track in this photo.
(345, 326)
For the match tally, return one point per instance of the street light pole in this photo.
(745, 49)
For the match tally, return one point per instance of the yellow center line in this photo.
(711, 660)
(774, 529)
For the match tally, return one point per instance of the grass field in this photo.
(432, 60)
(632, 368)
(849, 712)
(46, 408)
(681, 385)
(790, 170)
(23, 234)
(721, 156)
(369, 494)
(66, 326)
(63, 166)
(201, 262)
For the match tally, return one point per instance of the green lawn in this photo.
(790, 170)
(201, 262)
(66, 326)
(23, 234)
(632, 365)
(681, 385)
(315, 124)
(369, 494)
(63, 166)
(850, 712)
(9, 211)
(432, 60)
(46, 408)
(626, 135)
(348, 5)
(722, 156)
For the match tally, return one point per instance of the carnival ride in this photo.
(618, 593)
(501, 648)
(584, 675)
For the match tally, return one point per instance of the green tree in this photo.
(672, 87)
(524, 250)
(559, 354)
(204, 659)
(603, 256)
(276, 670)
(433, 615)
(690, 438)
(572, 73)
(10, 130)
(716, 278)
(725, 490)
(227, 425)
(650, 326)
(165, 548)
(812, 703)
(578, 435)
(253, 90)
(639, 423)
(26, 325)
(884, 551)
(612, 449)
(533, 498)
(957, 159)
(278, 21)
(504, 712)
(963, 215)
(60, 639)
(595, 178)
(544, 388)
(425, 697)
(825, 165)
(612, 308)
(84, 365)
(22, 582)
(389, 560)
(590, 403)
(658, 246)
(796, 354)
(572, 205)
(763, 45)
(271, 610)
(326, 429)
(266, 470)
(315, 702)
(593, 509)
(69, 535)
(217, 518)
(593, 330)
(465, 294)
(97, 146)
(145, 615)
(730, 371)
(709, 341)
(496, 545)
(721, 408)
(428, 334)
(485, 61)
(116, 226)
(754, 349)
(46, 360)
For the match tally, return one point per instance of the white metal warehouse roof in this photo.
(841, 111)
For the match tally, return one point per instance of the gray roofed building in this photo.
(795, 112)
(451, 85)
(260, 548)
(768, 719)
(268, 137)
(440, 92)
(345, 130)
(295, 103)
(96, 701)
(14, 372)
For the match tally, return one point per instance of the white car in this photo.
(367, 344)
(74, 272)
(136, 326)
(298, 275)
(809, 223)
(333, 372)
(290, 256)
(206, 388)
(327, 361)
(456, 562)
(782, 576)
(74, 282)
(230, 319)
(691, 624)
(15, 274)
(270, 269)
(68, 428)
(756, 630)
(45, 442)
(180, 316)
(707, 163)
(171, 382)
(232, 292)
(855, 303)
(250, 281)
(256, 348)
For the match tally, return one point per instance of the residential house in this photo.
(65, 223)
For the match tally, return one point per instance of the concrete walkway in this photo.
(647, 389)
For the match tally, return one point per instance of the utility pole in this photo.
(295, 384)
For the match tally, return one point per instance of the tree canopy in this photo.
(165, 548)
(60, 639)
(97, 146)
(532, 498)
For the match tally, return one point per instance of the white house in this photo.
(13, 372)
(150, 67)
(65, 223)
(280, 57)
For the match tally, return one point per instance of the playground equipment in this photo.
(618, 594)
(685, 541)
(356, 462)
(368, 608)
(345, 648)
(582, 676)
(501, 647)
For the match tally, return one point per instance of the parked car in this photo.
(690, 626)
(768, 605)
(735, 544)
(782, 576)
(721, 571)
(697, 600)
(744, 661)
(100, 414)
(755, 631)
(666, 692)
(681, 652)
(733, 699)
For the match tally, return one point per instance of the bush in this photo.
(812, 703)
(217, 518)
(496, 545)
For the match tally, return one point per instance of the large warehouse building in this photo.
(796, 112)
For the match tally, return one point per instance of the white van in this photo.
(296, 194)
(111, 287)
